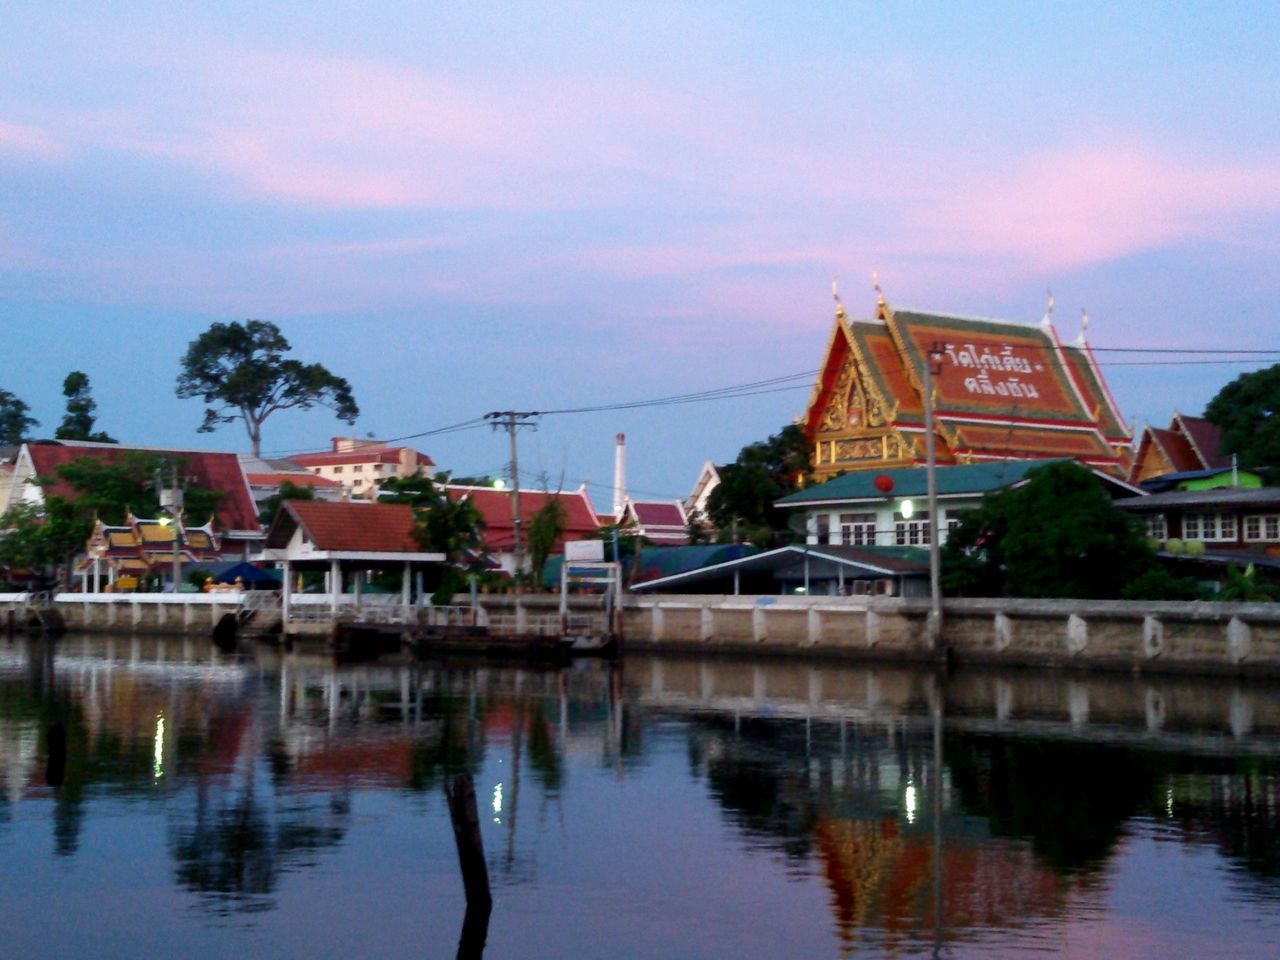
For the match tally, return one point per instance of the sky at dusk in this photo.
(472, 207)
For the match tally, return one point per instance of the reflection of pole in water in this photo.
(939, 694)
(460, 793)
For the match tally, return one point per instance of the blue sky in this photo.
(463, 208)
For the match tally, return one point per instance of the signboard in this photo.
(584, 551)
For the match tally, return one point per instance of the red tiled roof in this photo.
(1177, 449)
(495, 506)
(657, 513)
(347, 526)
(1207, 440)
(297, 479)
(359, 455)
(212, 471)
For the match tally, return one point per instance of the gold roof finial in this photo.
(835, 294)
(875, 284)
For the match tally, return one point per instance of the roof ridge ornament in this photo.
(835, 295)
(1084, 325)
(1048, 310)
(875, 285)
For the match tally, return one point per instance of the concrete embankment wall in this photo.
(193, 614)
(1194, 637)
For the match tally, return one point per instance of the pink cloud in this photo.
(1066, 209)
(28, 141)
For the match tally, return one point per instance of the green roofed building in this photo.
(889, 507)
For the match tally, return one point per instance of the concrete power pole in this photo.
(512, 420)
(934, 629)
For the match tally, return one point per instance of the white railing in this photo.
(230, 598)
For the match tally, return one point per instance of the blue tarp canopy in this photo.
(250, 575)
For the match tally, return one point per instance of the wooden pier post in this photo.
(461, 795)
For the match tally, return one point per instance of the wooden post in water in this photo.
(461, 794)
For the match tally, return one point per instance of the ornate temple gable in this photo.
(850, 417)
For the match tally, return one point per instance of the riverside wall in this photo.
(1155, 637)
(1227, 638)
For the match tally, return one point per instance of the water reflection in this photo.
(685, 807)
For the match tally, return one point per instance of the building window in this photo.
(1262, 527)
(337, 469)
(913, 532)
(358, 468)
(823, 528)
(858, 529)
(1157, 526)
(1209, 526)
(359, 483)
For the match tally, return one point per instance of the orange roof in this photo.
(213, 471)
(495, 507)
(347, 527)
(1001, 390)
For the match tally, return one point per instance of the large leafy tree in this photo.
(1058, 535)
(764, 472)
(15, 419)
(77, 422)
(1248, 412)
(241, 372)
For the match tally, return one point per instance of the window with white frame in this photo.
(858, 529)
(822, 527)
(913, 532)
(1262, 527)
(1157, 526)
(1209, 526)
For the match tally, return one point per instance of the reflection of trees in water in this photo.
(758, 776)
(1070, 800)
(1234, 805)
(1075, 801)
(235, 848)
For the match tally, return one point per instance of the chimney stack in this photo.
(620, 477)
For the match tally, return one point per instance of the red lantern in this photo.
(884, 483)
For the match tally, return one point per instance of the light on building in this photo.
(909, 802)
(907, 508)
(499, 484)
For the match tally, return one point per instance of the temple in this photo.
(1002, 391)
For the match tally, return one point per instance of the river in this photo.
(160, 799)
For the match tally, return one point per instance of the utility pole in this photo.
(172, 501)
(934, 628)
(513, 420)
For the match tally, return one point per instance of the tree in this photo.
(764, 472)
(1059, 535)
(286, 491)
(77, 423)
(240, 371)
(15, 419)
(101, 488)
(1247, 410)
(442, 524)
(545, 528)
